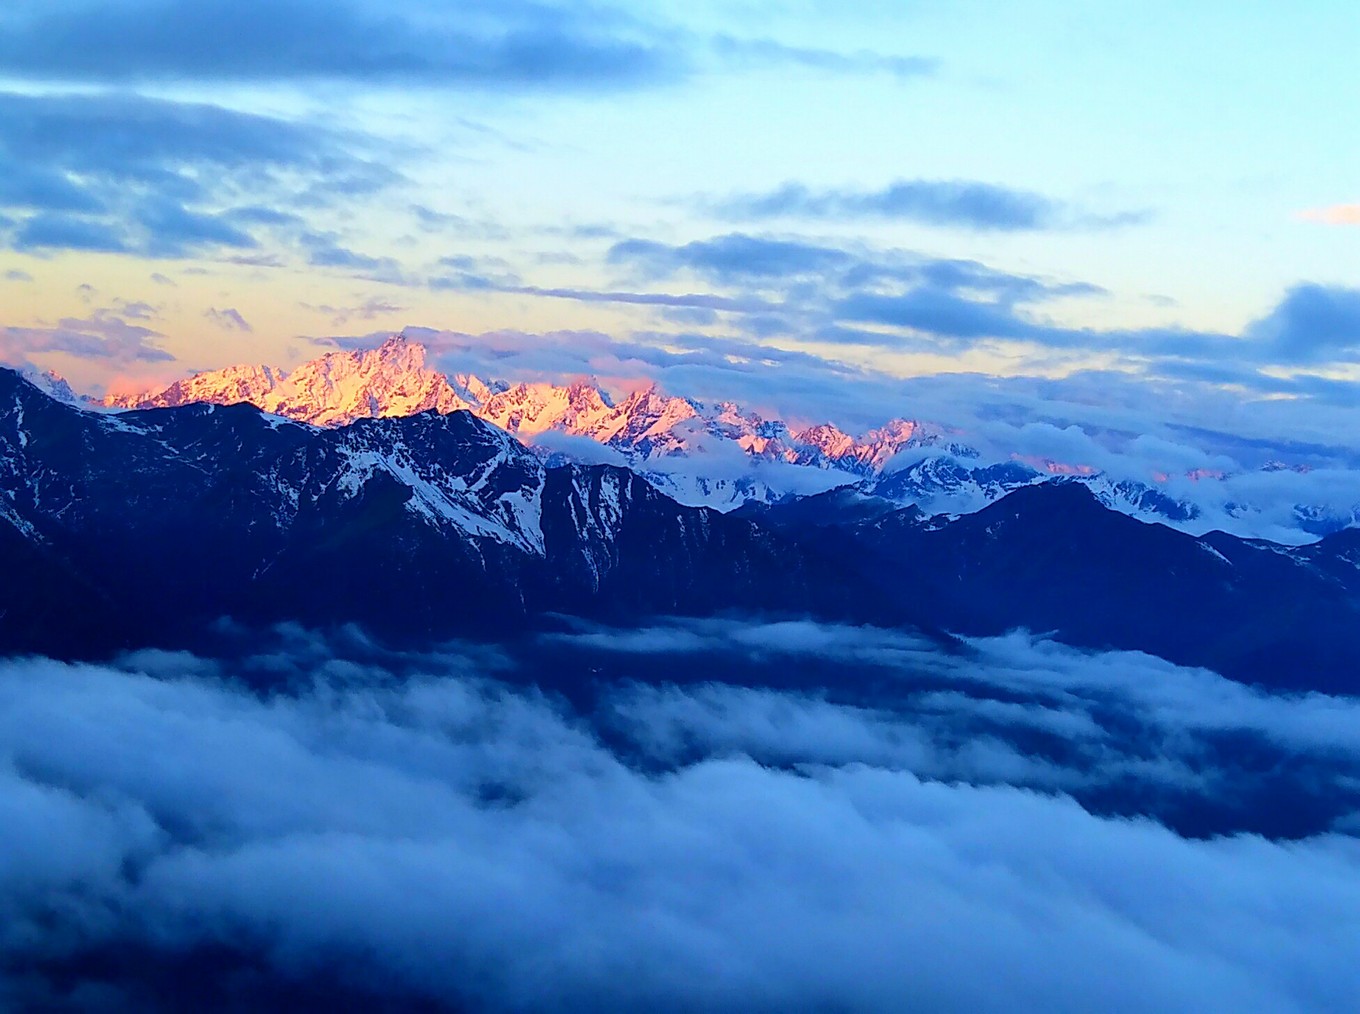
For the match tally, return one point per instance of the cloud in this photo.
(103, 335)
(1313, 323)
(940, 313)
(323, 250)
(522, 45)
(136, 310)
(519, 44)
(1121, 732)
(432, 221)
(576, 449)
(792, 637)
(172, 228)
(370, 309)
(907, 302)
(86, 134)
(779, 729)
(688, 301)
(756, 53)
(465, 273)
(16, 275)
(73, 182)
(729, 258)
(36, 187)
(228, 320)
(447, 840)
(1337, 214)
(50, 231)
(775, 263)
(966, 204)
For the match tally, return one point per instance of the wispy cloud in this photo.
(72, 181)
(967, 204)
(370, 309)
(58, 231)
(907, 301)
(105, 334)
(229, 319)
(763, 52)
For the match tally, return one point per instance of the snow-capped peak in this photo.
(333, 390)
(227, 386)
(832, 441)
(52, 384)
(717, 455)
(648, 425)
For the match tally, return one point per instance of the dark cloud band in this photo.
(516, 44)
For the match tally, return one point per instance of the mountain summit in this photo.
(333, 390)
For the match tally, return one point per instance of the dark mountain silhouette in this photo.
(141, 527)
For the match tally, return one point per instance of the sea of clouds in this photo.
(715, 814)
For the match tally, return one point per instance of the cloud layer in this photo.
(446, 838)
(189, 185)
(499, 45)
(520, 43)
(905, 301)
(107, 333)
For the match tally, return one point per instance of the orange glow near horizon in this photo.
(1054, 467)
(1337, 214)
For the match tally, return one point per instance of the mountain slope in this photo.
(431, 526)
(333, 390)
(393, 380)
(717, 455)
(1053, 558)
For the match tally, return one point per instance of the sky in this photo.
(1151, 206)
(1075, 224)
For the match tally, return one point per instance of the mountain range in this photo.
(716, 455)
(145, 527)
(645, 427)
(395, 380)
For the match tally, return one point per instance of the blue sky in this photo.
(1158, 194)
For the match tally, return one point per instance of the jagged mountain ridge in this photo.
(332, 390)
(394, 380)
(652, 431)
(137, 528)
(431, 524)
(717, 455)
